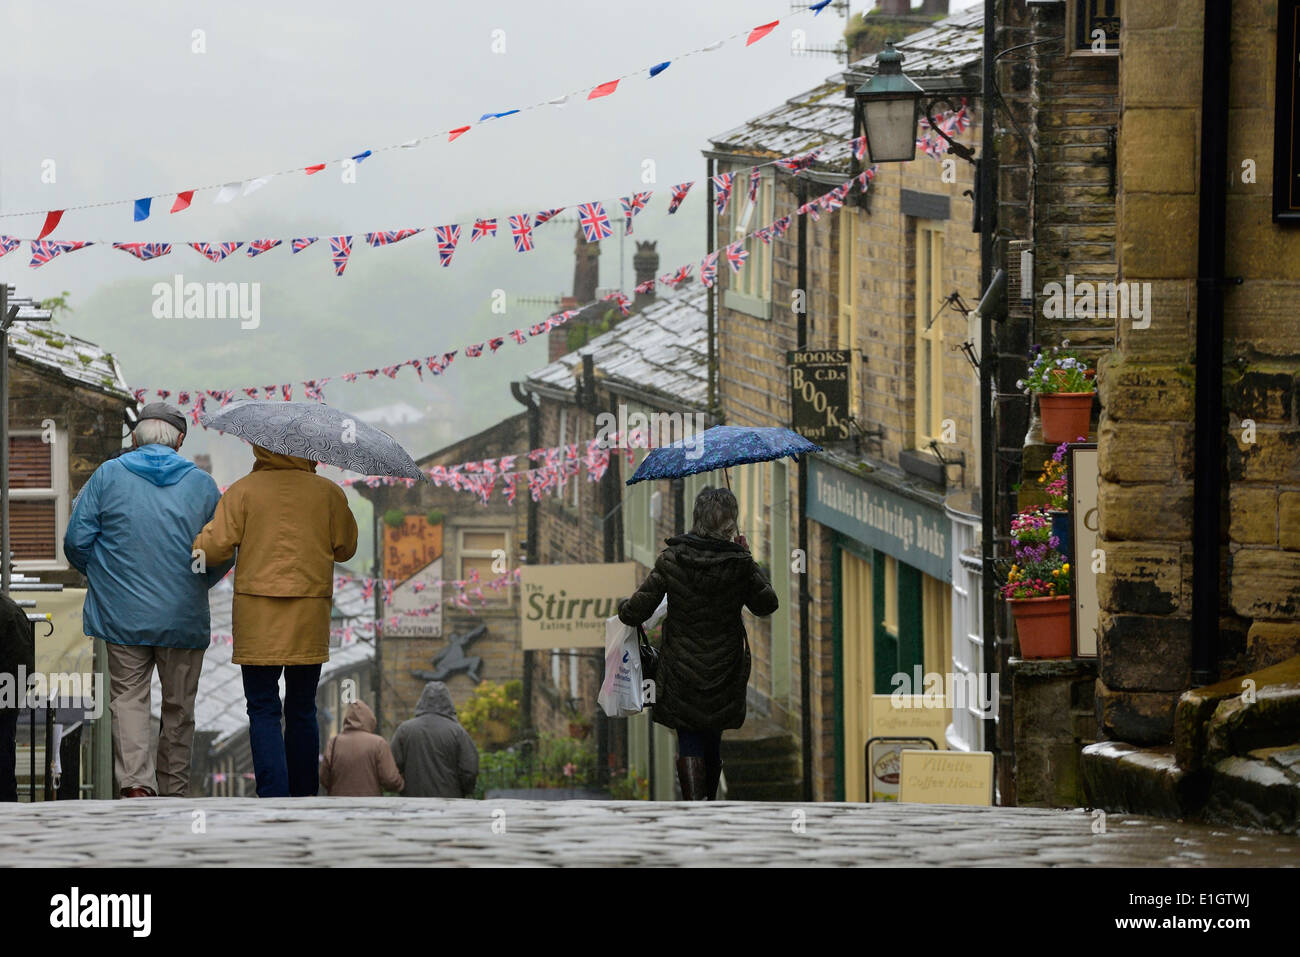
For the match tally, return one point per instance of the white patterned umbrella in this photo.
(315, 431)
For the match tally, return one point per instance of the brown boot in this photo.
(138, 792)
(690, 772)
(712, 775)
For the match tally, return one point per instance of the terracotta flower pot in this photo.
(1043, 625)
(1065, 415)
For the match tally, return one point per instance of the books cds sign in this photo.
(819, 393)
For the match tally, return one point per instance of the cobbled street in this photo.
(410, 832)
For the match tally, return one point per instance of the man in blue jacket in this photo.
(130, 534)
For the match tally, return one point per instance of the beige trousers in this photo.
(130, 670)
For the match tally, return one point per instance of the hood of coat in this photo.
(266, 459)
(160, 464)
(359, 717)
(697, 551)
(436, 699)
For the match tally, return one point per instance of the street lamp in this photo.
(889, 102)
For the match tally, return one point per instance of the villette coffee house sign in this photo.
(819, 393)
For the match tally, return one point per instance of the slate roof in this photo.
(823, 116)
(71, 357)
(219, 706)
(661, 350)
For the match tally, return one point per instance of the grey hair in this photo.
(716, 511)
(156, 432)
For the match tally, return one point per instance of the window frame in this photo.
(58, 492)
(750, 290)
(928, 235)
(495, 598)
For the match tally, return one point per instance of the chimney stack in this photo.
(586, 268)
(645, 263)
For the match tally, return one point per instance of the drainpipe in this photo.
(712, 332)
(1207, 489)
(534, 440)
(805, 597)
(987, 202)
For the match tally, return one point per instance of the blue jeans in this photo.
(285, 766)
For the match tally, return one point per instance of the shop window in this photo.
(480, 549)
(38, 499)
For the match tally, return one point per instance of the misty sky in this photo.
(114, 96)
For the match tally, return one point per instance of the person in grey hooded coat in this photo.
(433, 752)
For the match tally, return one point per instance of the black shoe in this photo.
(691, 774)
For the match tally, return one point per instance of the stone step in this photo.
(764, 791)
(1261, 790)
(1123, 777)
(761, 762)
(1238, 715)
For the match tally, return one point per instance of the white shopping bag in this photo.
(622, 693)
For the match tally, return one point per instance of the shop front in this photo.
(891, 575)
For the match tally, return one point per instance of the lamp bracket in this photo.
(958, 149)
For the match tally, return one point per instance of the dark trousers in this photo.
(285, 765)
(8, 755)
(700, 744)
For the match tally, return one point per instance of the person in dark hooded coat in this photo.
(435, 755)
(709, 576)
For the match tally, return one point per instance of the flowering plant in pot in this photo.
(1056, 485)
(1038, 587)
(1064, 385)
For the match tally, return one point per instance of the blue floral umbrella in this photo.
(720, 448)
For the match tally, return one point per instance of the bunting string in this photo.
(230, 190)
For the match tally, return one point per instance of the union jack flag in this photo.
(448, 237)
(340, 250)
(474, 351)
(736, 256)
(43, 250)
(416, 365)
(303, 242)
(521, 231)
(781, 225)
(546, 214)
(287, 391)
(722, 191)
(390, 236)
(754, 176)
(679, 194)
(164, 393)
(860, 148)
(644, 287)
(595, 222)
(482, 228)
(183, 397)
(675, 278)
(391, 371)
(797, 163)
(709, 270)
(144, 251)
(537, 328)
(622, 300)
(215, 252)
(251, 393)
(349, 377)
(518, 336)
(631, 206)
(8, 244)
(831, 201)
(139, 395)
(258, 246)
(270, 390)
(496, 342)
(809, 209)
(765, 234)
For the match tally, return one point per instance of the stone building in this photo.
(67, 398)
(432, 532)
(885, 282)
(652, 362)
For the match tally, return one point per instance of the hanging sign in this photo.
(1286, 128)
(413, 553)
(1085, 476)
(819, 393)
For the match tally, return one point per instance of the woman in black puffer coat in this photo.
(708, 575)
